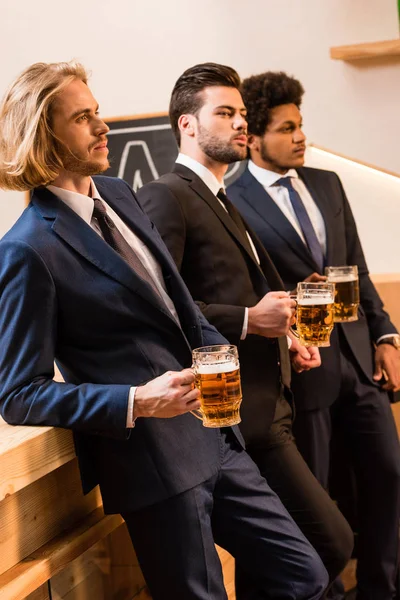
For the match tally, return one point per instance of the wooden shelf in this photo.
(365, 51)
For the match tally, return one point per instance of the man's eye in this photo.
(224, 113)
(81, 118)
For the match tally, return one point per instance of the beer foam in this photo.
(315, 300)
(220, 367)
(339, 278)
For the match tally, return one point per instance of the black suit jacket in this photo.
(66, 295)
(294, 263)
(223, 277)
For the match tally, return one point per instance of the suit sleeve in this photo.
(210, 334)
(28, 333)
(167, 214)
(377, 318)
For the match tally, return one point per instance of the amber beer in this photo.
(347, 296)
(217, 376)
(315, 313)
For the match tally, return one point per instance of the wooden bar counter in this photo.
(56, 543)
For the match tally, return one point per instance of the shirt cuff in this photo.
(130, 421)
(289, 342)
(385, 336)
(245, 324)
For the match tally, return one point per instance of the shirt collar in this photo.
(205, 174)
(268, 178)
(82, 205)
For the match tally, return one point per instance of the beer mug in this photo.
(314, 315)
(217, 376)
(347, 295)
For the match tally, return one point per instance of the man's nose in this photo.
(240, 122)
(299, 135)
(101, 128)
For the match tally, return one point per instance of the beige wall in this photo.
(375, 202)
(136, 50)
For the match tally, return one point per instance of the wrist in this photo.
(138, 403)
(252, 320)
(390, 340)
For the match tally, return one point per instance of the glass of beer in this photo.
(314, 315)
(217, 376)
(347, 295)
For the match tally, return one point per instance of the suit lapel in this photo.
(75, 232)
(200, 188)
(264, 205)
(128, 210)
(268, 269)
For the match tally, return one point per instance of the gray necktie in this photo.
(117, 241)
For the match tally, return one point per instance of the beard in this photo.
(219, 150)
(81, 166)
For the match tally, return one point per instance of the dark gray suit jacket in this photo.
(294, 263)
(223, 278)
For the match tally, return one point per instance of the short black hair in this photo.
(263, 92)
(186, 96)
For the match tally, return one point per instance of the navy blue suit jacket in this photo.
(318, 387)
(66, 295)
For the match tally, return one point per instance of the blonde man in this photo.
(85, 280)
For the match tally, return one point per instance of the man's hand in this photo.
(303, 359)
(387, 359)
(315, 278)
(272, 316)
(167, 396)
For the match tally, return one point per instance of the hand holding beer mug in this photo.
(347, 295)
(315, 310)
(217, 376)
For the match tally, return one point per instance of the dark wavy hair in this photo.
(263, 92)
(186, 96)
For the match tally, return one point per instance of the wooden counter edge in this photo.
(44, 563)
(29, 453)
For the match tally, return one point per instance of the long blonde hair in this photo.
(28, 155)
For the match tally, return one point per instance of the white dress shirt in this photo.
(280, 196)
(83, 206)
(214, 185)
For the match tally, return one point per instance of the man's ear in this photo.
(254, 142)
(186, 124)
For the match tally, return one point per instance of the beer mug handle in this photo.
(293, 296)
(194, 413)
(198, 411)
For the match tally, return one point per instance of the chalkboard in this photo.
(142, 148)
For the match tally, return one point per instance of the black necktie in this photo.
(304, 221)
(117, 241)
(236, 218)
